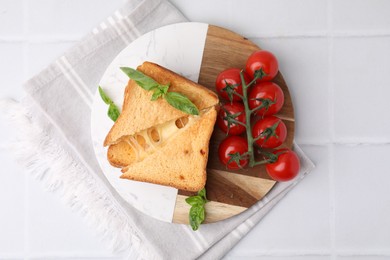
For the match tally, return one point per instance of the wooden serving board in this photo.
(231, 192)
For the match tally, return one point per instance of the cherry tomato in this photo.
(227, 113)
(286, 166)
(265, 60)
(230, 147)
(228, 81)
(272, 98)
(272, 132)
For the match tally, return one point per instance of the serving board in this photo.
(231, 192)
(199, 52)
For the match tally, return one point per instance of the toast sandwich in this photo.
(151, 141)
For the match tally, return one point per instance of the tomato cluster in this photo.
(252, 98)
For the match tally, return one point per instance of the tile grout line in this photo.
(332, 215)
(322, 34)
(25, 51)
(58, 38)
(332, 188)
(346, 143)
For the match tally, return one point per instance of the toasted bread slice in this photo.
(152, 141)
(133, 148)
(181, 163)
(139, 112)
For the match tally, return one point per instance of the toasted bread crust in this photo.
(201, 96)
(182, 163)
(139, 113)
(119, 155)
(145, 116)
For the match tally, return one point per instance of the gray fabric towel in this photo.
(54, 143)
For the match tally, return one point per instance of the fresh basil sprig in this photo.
(142, 80)
(197, 212)
(175, 99)
(181, 102)
(113, 111)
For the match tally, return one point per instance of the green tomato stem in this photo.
(250, 154)
(239, 95)
(239, 123)
(262, 162)
(253, 81)
(248, 119)
(248, 113)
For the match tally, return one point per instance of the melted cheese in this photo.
(148, 140)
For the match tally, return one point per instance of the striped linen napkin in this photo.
(54, 143)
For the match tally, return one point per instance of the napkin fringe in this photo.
(81, 191)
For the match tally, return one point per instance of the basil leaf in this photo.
(141, 79)
(197, 215)
(181, 102)
(202, 214)
(197, 212)
(175, 99)
(202, 193)
(195, 200)
(156, 95)
(104, 96)
(160, 91)
(164, 88)
(113, 112)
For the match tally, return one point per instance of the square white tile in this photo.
(279, 17)
(12, 70)
(361, 15)
(304, 65)
(12, 202)
(361, 89)
(289, 16)
(12, 196)
(216, 12)
(362, 201)
(11, 18)
(70, 17)
(299, 223)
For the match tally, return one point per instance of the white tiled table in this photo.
(335, 56)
